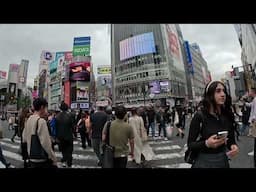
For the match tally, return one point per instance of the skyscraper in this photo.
(147, 63)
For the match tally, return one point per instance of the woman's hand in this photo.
(214, 141)
(233, 152)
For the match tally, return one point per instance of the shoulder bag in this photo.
(36, 149)
(190, 155)
(108, 150)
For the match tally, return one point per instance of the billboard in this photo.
(189, 58)
(154, 87)
(68, 56)
(82, 93)
(12, 88)
(34, 94)
(79, 71)
(104, 70)
(174, 46)
(81, 46)
(60, 57)
(164, 86)
(105, 80)
(53, 66)
(137, 45)
(46, 58)
(3, 74)
(14, 68)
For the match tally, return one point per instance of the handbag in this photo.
(36, 149)
(169, 131)
(108, 150)
(191, 155)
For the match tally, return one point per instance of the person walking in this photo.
(120, 134)
(36, 122)
(98, 121)
(64, 130)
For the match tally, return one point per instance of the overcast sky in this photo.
(218, 43)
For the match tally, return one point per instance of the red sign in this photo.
(67, 93)
(3, 74)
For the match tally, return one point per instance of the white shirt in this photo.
(253, 109)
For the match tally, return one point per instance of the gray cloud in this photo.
(218, 43)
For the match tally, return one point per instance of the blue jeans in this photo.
(243, 128)
(152, 125)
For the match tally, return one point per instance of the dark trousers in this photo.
(120, 162)
(46, 164)
(84, 137)
(254, 153)
(66, 148)
(2, 159)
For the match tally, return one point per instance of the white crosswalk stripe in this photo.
(167, 155)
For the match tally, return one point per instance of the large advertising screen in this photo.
(164, 86)
(137, 45)
(154, 87)
(79, 71)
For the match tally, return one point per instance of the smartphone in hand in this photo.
(222, 134)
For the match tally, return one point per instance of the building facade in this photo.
(147, 63)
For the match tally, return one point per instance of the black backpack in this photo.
(190, 155)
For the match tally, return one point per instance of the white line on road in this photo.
(167, 147)
(167, 156)
(9, 145)
(179, 165)
(80, 157)
(12, 155)
(159, 142)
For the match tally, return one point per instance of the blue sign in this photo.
(82, 41)
(189, 58)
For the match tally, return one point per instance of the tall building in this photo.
(147, 63)
(197, 71)
(44, 73)
(247, 38)
(23, 73)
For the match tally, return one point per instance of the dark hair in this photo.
(63, 106)
(38, 103)
(101, 108)
(209, 93)
(120, 112)
(134, 111)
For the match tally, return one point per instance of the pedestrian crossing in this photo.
(167, 154)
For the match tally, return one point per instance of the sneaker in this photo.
(251, 153)
(165, 139)
(64, 164)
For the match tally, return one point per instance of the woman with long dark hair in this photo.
(213, 150)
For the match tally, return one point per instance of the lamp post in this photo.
(145, 89)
